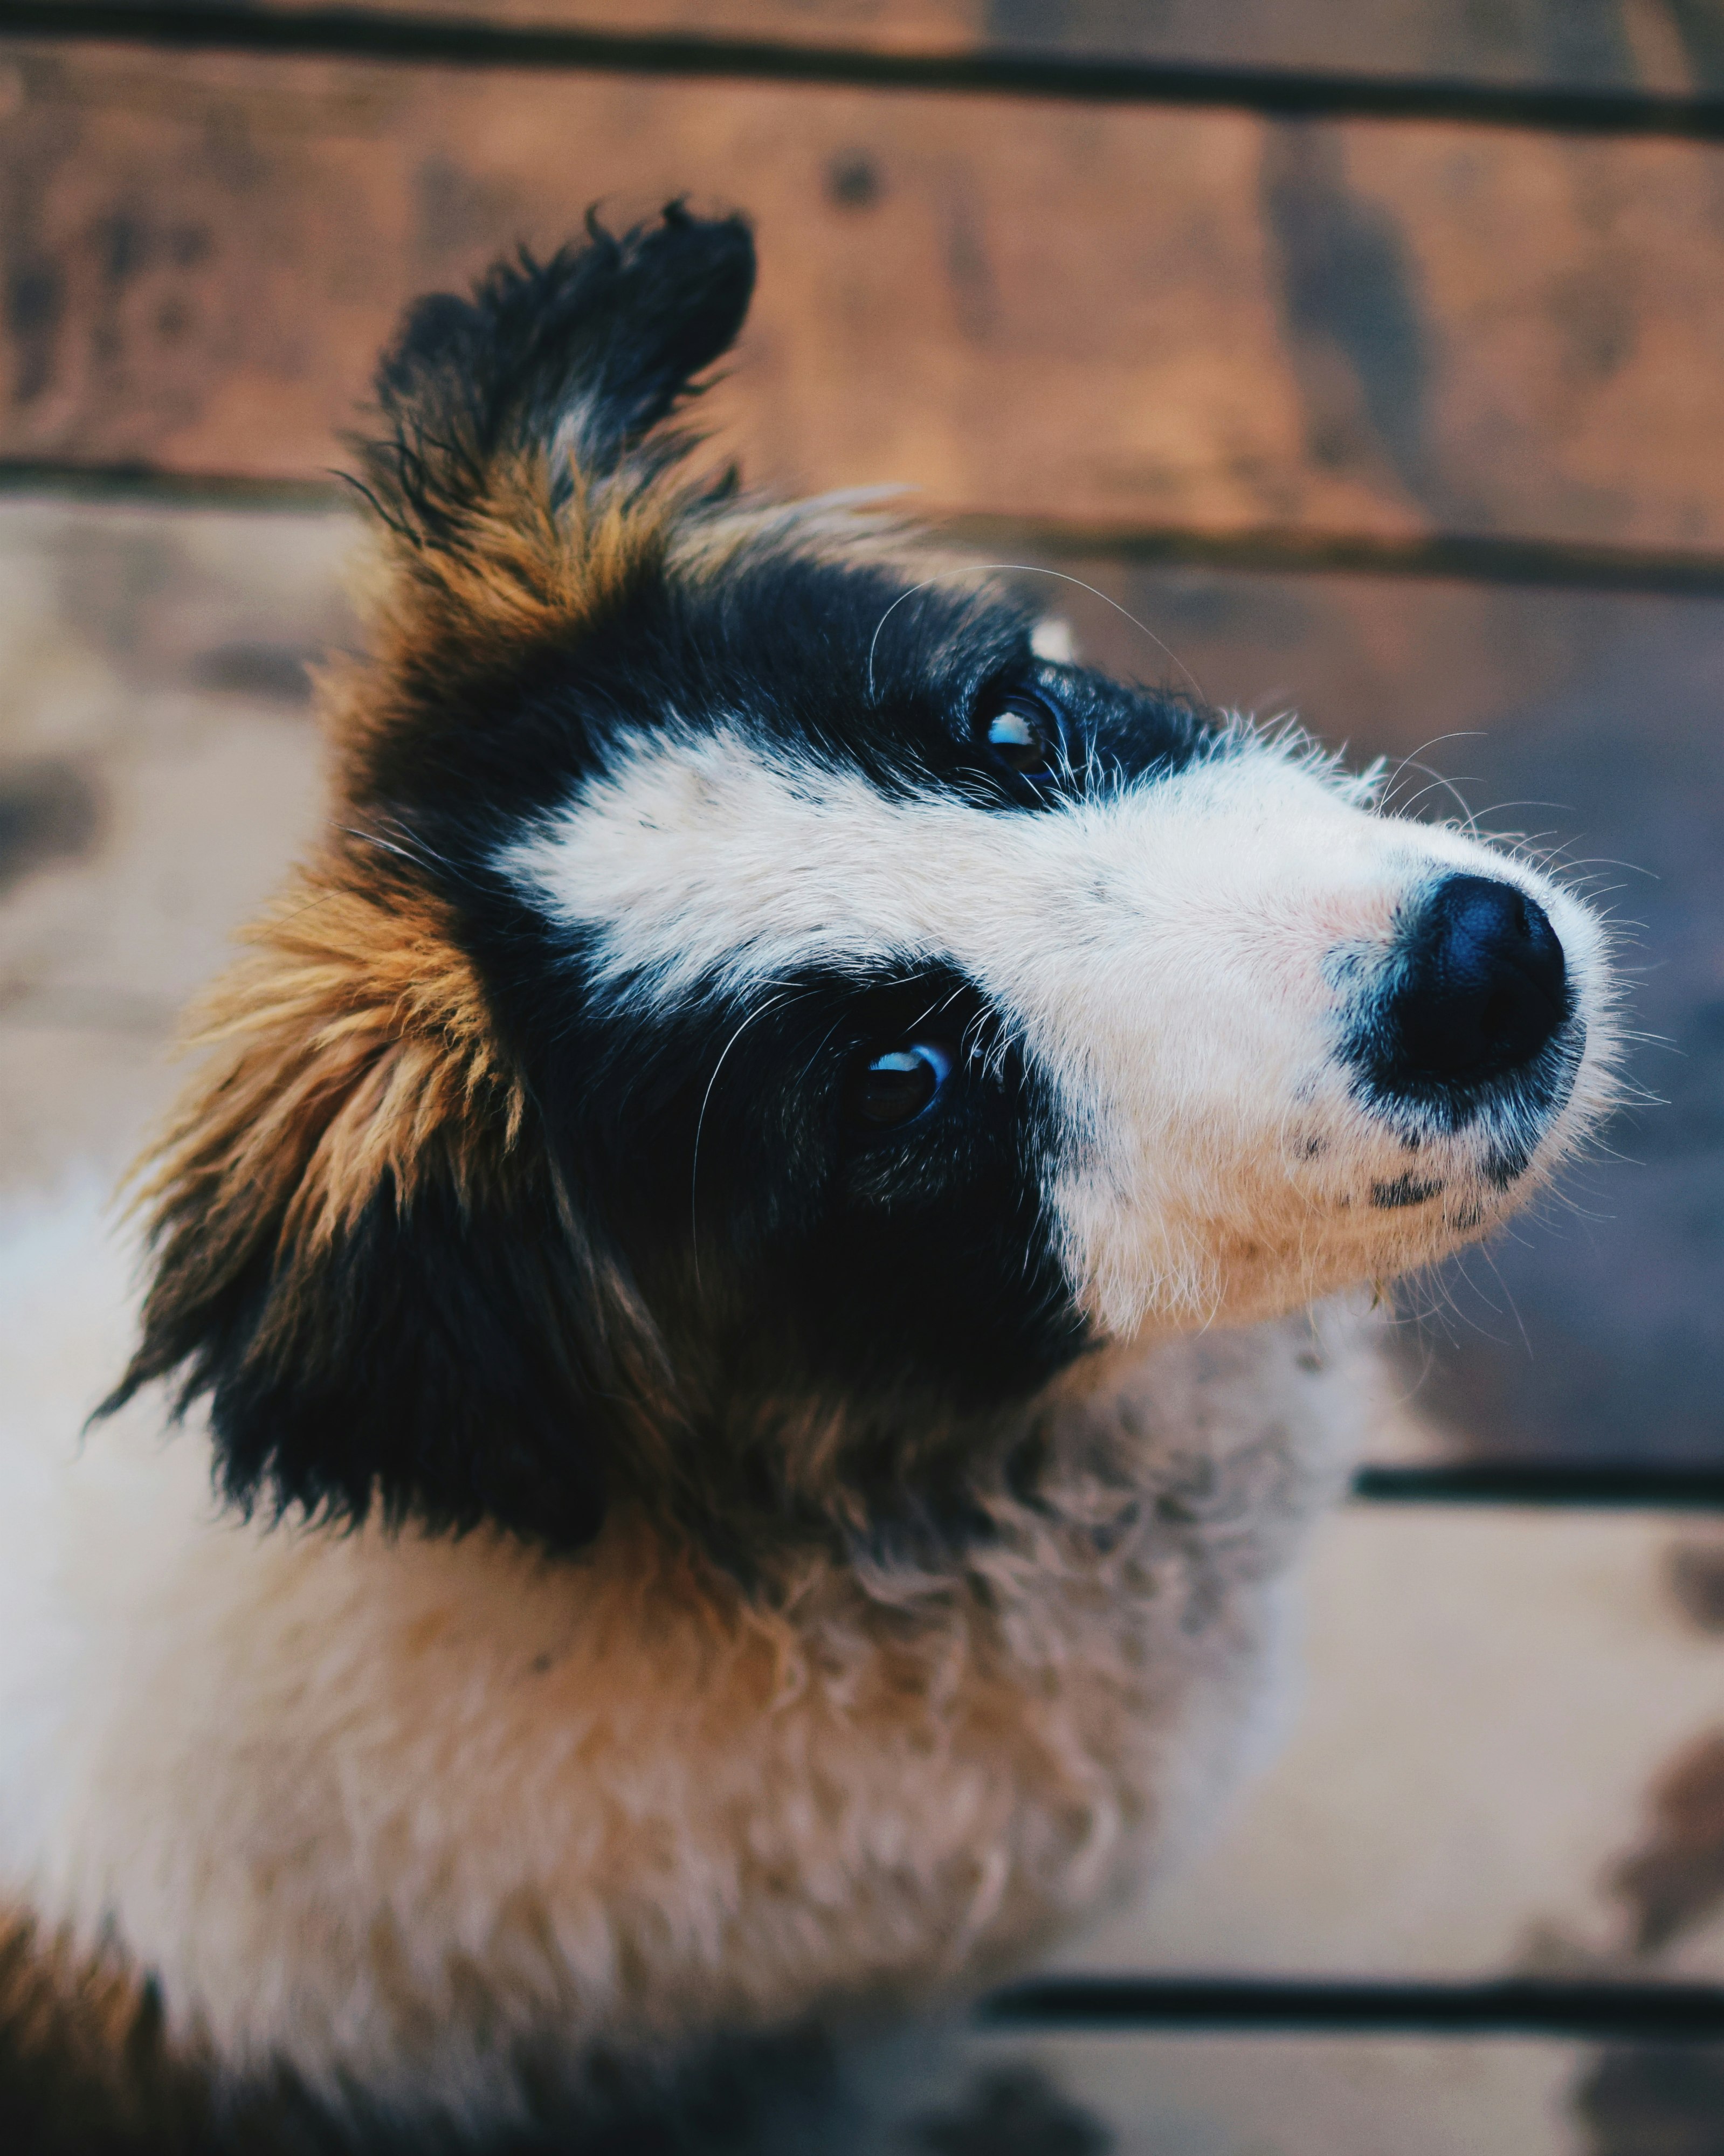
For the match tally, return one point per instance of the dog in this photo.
(740, 1265)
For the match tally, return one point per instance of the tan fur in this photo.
(528, 570)
(419, 1810)
(534, 558)
(355, 1037)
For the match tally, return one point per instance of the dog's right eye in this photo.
(897, 1084)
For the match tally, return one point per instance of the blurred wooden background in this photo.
(1115, 317)
(1372, 356)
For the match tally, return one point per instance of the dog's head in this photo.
(750, 1005)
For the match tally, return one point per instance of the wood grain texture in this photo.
(1132, 318)
(1507, 1752)
(1506, 1758)
(1659, 45)
(154, 667)
(1127, 2095)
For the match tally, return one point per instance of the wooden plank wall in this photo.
(1142, 322)
(1669, 46)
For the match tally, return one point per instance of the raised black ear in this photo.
(575, 359)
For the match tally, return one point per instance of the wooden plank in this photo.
(157, 771)
(1507, 1760)
(1579, 44)
(1137, 319)
(1128, 2095)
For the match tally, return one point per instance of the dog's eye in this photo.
(898, 1084)
(1022, 731)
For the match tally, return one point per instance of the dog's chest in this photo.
(373, 1805)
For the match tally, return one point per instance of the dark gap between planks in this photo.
(1580, 1487)
(1481, 559)
(1508, 2006)
(1276, 92)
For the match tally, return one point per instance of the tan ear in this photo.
(352, 1047)
(365, 1256)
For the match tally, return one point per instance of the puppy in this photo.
(729, 1264)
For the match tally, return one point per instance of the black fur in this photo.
(433, 1363)
(748, 2096)
(852, 1263)
(611, 333)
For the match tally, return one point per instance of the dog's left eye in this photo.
(1024, 732)
(898, 1084)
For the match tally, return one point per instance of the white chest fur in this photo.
(393, 1809)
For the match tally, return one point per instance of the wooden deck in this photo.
(1372, 360)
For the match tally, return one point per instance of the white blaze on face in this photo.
(1170, 953)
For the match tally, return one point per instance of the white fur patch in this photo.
(1164, 952)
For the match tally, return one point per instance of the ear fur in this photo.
(551, 377)
(524, 478)
(367, 1257)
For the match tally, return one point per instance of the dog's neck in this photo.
(1186, 1428)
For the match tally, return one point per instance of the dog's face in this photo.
(753, 1003)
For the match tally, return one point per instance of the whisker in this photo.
(700, 1125)
(1029, 569)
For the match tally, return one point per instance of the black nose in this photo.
(1483, 985)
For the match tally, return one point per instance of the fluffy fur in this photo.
(727, 1268)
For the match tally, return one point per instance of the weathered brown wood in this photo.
(1138, 318)
(1129, 2095)
(1667, 45)
(1506, 1758)
(157, 769)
